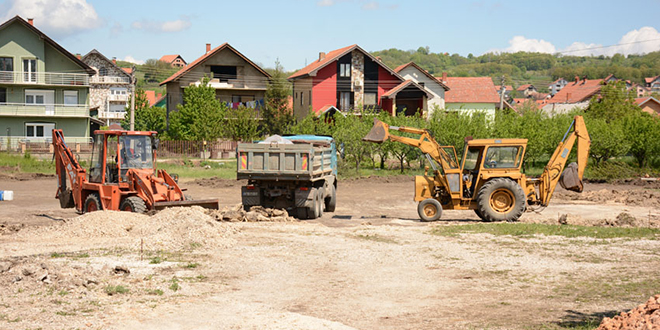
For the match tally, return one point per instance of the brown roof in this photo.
(413, 64)
(392, 92)
(206, 56)
(577, 92)
(644, 100)
(50, 41)
(471, 90)
(524, 87)
(170, 58)
(651, 79)
(127, 70)
(152, 97)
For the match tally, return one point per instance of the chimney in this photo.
(78, 56)
(584, 79)
(444, 77)
(208, 48)
(379, 59)
(114, 60)
(321, 56)
(31, 21)
(577, 79)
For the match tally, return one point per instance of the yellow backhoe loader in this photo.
(488, 179)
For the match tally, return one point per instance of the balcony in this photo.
(112, 114)
(44, 78)
(44, 110)
(118, 98)
(248, 83)
(109, 80)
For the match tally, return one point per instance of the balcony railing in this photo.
(109, 80)
(42, 144)
(44, 78)
(118, 97)
(33, 110)
(112, 114)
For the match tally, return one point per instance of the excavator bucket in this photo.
(570, 180)
(378, 133)
(205, 203)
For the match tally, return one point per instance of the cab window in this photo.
(503, 157)
(471, 159)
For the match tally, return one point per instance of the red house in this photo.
(351, 79)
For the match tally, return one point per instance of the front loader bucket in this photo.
(570, 180)
(205, 203)
(378, 133)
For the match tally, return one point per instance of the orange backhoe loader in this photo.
(122, 175)
(488, 180)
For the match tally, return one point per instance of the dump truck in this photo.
(122, 175)
(297, 173)
(488, 179)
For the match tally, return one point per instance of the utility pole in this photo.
(133, 82)
(502, 90)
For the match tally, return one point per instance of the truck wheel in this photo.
(331, 201)
(501, 200)
(302, 213)
(92, 203)
(313, 210)
(133, 204)
(429, 209)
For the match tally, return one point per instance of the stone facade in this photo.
(357, 77)
(108, 77)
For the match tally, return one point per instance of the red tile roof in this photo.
(523, 87)
(152, 97)
(413, 64)
(206, 56)
(392, 92)
(471, 90)
(577, 92)
(127, 70)
(169, 58)
(651, 79)
(319, 64)
(644, 100)
(506, 87)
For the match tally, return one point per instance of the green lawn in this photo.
(530, 229)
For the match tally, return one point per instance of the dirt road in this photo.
(369, 265)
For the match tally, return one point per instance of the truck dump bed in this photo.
(309, 158)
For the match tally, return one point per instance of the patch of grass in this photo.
(26, 164)
(530, 229)
(175, 284)
(191, 265)
(57, 255)
(65, 313)
(619, 288)
(205, 169)
(155, 260)
(156, 292)
(375, 238)
(17, 319)
(63, 293)
(116, 289)
(195, 245)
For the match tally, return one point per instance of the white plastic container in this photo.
(6, 195)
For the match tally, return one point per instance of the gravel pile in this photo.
(236, 213)
(645, 316)
(170, 229)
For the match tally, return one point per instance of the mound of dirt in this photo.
(645, 316)
(19, 176)
(641, 197)
(236, 213)
(170, 229)
(652, 184)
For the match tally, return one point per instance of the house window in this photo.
(370, 99)
(34, 98)
(3, 95)
(117, 107)
(301, 98)
(38, 130)
(6, 69)
(30, 70)
(345, 101)
(344, 69)
(223, 72)
(118, 91)
(70, 98)
(103, 72)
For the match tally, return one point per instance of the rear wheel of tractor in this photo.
(331, 201)
(133, 204)
(429, 209)
(313, 210)
(481, 216)
(501, 200)
(92, 203)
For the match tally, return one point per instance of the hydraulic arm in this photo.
(67, 167)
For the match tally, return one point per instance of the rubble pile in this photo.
(638, 197)
(237, 213)
(645, 316)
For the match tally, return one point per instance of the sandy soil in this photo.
(370, 265)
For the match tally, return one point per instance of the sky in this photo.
(295, 31)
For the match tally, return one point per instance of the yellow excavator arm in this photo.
(571, 177)
(380, 133)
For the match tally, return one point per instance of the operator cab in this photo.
(116, 151)
(485, 158)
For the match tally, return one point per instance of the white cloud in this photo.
(57, 18)
(180, 24)
(325, 3)
(131, 59)
(373, 5)
(644, 40)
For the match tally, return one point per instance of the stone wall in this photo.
(99, 92)
(357, 74)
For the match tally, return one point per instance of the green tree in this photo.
(241, 124)
(277, 114)
(642, 131)
(156, 71)
(200, 117)
(615, 103)
(146, 118)
(607, 139)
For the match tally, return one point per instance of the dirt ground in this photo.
(370, 265)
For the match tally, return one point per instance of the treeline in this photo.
(523, 66)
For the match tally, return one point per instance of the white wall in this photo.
(432, 86)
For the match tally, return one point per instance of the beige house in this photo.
(237, 80)
(436, 89)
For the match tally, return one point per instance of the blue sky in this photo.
(295, 31)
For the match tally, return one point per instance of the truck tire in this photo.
(429, 209)
(313, 210)
(302, 213)
(501, 200)
(133, 204)
(320, 201)
(92, 203)
(331, 200)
